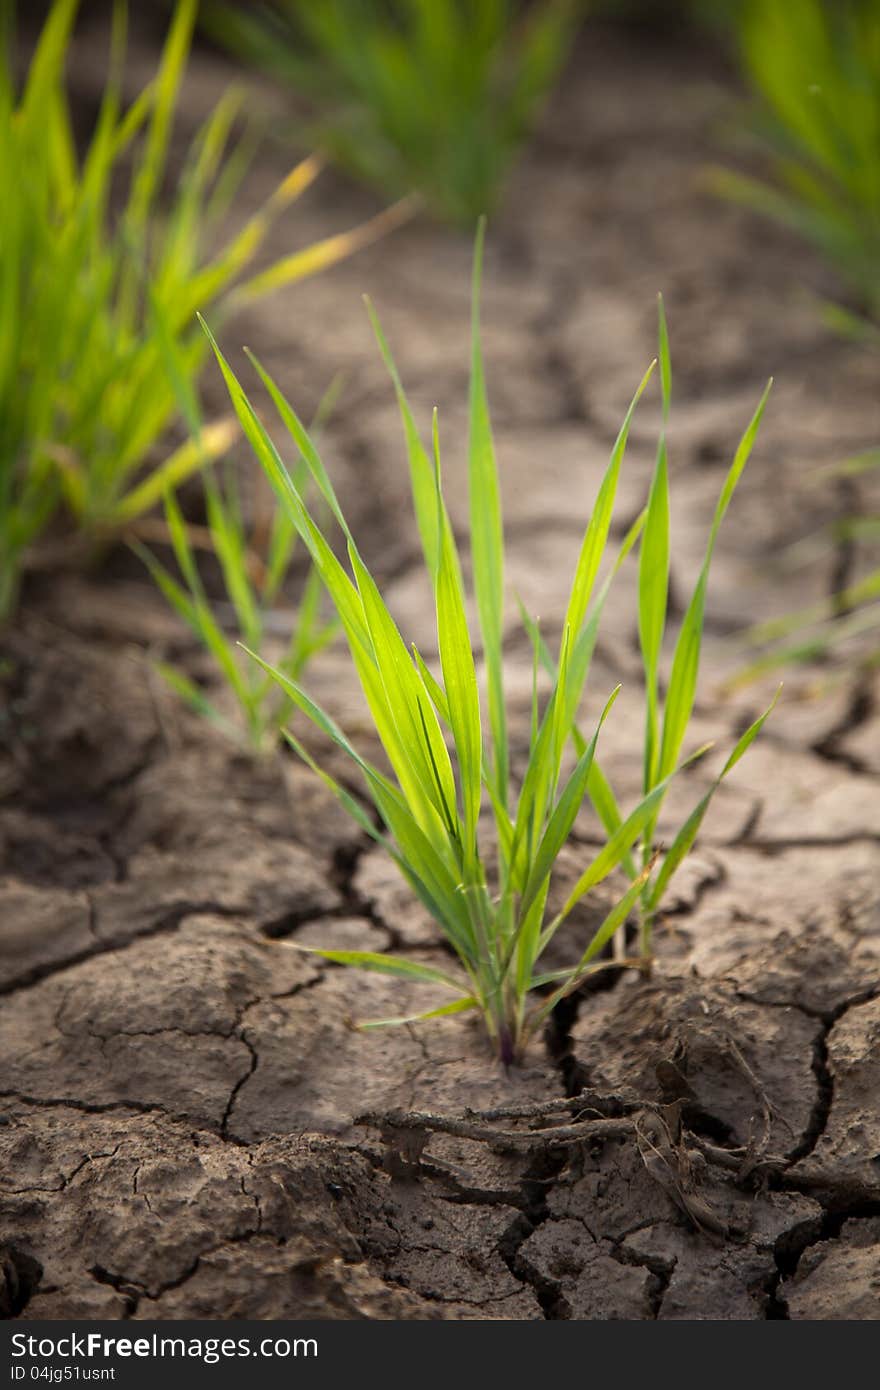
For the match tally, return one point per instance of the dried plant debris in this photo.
(675, 1158)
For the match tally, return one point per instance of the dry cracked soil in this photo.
(180, 1090)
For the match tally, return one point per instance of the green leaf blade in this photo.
(487, 537)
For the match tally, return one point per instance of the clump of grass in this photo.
(667, 714)
(426, 95)
(255, 562)
(252, 582)
(450, 766)
(815, 69)
(97, 311)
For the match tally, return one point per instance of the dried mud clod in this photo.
(838, 1273)
(676, 1160)
(844, 1159)
(742, 1071)
(139, 1216)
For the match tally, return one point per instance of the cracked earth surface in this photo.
(179, 1089)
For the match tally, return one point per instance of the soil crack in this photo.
(167, 922)
(242, 1080)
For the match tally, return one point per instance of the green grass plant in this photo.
(814, 66)
(255, 559)
(97, 305)
(476, 838)
(668, 704)
(427, 95)
(252, 582)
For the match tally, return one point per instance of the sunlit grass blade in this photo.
(193, 608)
(603, 935)
(321, 720)
(343, 795)
(427, 869)
(152, 165)
(564, 815)
(487, 540)
(48, 60)
(384, 964)
(230, 547)
(622, 840)
(459, 674)
(300, 436)
(684, 840)
(421, 473)
(340, 587)
(686, 660)
(596, 536)
(413, 736)
(654, 576)
(458, 1006)
(538, 782)
(433, 687)
(323, 254)
(598, 787)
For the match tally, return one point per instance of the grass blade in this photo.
(686, 836)
(459, 675)
(686, 660)
(421, 473)
(564, 815)
(458, 1006)
(386, 965)
(487, 539)
(654, 579)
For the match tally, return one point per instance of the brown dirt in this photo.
(180, 1089)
